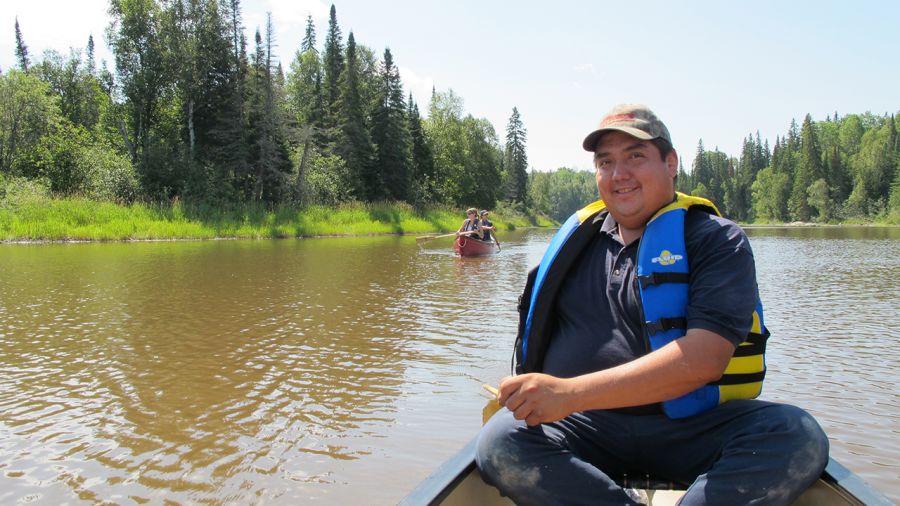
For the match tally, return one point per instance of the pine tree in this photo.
(230, 149)
(268, 150)
(309, 38)
(683, 178)
(389, 131)
(422, 162)
(91, 62)
(356, 144)
(333, 65)
(701, 172)
(808, 170)
(515, 159)
(21, 50)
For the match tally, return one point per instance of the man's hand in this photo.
(536, 398)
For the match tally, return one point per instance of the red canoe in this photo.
(469, 247)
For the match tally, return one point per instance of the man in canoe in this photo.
(486, 226)
(640, 350)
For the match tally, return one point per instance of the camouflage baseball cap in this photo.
(633, 119)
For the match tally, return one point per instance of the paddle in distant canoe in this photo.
(471, 247)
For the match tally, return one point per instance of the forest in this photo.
(190, 110)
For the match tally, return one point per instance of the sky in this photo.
(711, 70)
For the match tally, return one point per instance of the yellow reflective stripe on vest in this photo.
(742, 391)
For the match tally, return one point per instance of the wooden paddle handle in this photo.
(492, 390)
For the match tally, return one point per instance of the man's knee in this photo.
(806, 442)
(799, 430)
(502, 453)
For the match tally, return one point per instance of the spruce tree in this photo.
(389, 131)
(422, 161)
(268, 150)
(356, 145)
(21, 50)
(91, 62)
(808, 170)
(515, 159)
(333, 65)
(309, 38)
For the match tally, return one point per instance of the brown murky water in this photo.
(335, 371)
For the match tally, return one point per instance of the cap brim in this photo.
(590, 142)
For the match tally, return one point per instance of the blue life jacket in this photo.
(662, 277)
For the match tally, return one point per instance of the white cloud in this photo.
(419, 86)
(585, 68)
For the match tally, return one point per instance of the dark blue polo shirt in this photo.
(598, 316)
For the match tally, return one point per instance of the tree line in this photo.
(846, 168)
(843, 168)
(193, 110)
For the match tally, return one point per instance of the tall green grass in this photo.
(79, 219)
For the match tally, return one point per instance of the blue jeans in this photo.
(741, 452)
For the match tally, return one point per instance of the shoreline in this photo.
(25, 242)
(74, 221)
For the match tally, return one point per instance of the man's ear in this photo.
(672, 163)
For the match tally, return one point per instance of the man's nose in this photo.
(620, 170)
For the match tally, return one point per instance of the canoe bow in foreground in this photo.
(457, 482)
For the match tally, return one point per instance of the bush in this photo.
(111, 176)
(15, 191)
(327, 181)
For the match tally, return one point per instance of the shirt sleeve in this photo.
(723, 290)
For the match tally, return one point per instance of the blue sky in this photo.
(711, 70)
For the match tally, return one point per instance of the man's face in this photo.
(633, 180)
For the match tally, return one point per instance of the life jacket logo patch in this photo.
(666, 258)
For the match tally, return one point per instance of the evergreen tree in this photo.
(356, 145)
(389, 131)
(701, 172)
(91, 62)
(683, 179)
(333, 66)
(229, 147)
(422, 163)
(305, 100)
(808, 170)
(21, 50)
(268, 150)
(516, 160)
(309, 38)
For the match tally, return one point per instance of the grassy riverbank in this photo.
(76, 219)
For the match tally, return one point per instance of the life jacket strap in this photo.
(664, 324)
(659, 278)
(754, 345)
(738, 379)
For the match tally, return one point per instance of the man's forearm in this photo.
(674, 370)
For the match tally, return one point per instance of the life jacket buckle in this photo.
(665, 324)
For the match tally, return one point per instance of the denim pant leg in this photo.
(557, 463)
(741, 452)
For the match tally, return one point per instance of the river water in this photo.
(343, 371)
